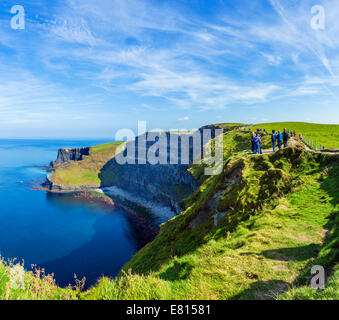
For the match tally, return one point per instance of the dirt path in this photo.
(294, 142)
(330, 151)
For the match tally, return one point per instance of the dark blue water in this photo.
(58, 232)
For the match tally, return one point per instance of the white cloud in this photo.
(184, 118)
(69, 31)
(273, 60)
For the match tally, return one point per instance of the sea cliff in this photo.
(69, 154)
(167, 184)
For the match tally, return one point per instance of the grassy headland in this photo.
(85, 172)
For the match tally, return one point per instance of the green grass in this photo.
(331, 291)
(328, 257)
(325, 134)
(229, 126)
(107, 148)
(36, 285)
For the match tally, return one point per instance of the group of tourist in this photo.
(256, 142)
(277, 138)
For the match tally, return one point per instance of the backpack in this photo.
(274, 137)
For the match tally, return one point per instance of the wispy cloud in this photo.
(185, 71)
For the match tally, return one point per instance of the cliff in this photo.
(167, 184)
(69, 154)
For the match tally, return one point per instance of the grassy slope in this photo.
(37, 286)
(85, 172)
(278, 216)
(257, 261)
(325, 134)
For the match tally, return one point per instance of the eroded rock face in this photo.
(69, 154)
(167, 183)
(232, 177)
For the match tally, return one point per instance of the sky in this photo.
(85, 68)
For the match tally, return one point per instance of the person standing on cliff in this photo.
(273, 139)
(285, 137)
(279, 139)
(260, 144)
(257, 144)
(252, 140)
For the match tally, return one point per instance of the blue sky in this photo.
(85, 68)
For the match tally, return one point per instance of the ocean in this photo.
(58, 232)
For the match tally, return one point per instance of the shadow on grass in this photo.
(293, 254)
(330, 184)
(262, 290)
(329, 254)
(179, 271)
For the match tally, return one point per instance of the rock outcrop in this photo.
(69, 154)
(53, 187)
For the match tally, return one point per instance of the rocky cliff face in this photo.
(69, 154)
(53, 187)
(167, 182)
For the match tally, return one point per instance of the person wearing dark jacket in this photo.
(285, 136)
(257, 144)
